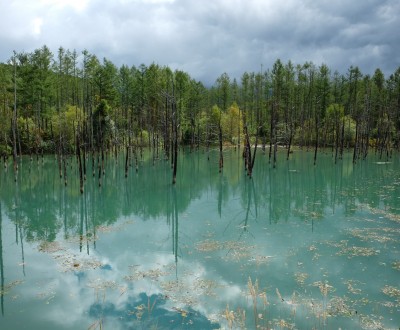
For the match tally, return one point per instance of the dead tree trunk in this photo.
(175, 140)
(78, 154)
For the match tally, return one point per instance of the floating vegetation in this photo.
(98, 284)
(8, 287)
(334, 307)
(71, 262)
(312, 248)
(189, 292)
(383, 213)
(50, 247)
(113, 228)
(324, 287)
(283, 324)
(340, 244)
(152, 274)
(371, 322)
(391, 291)
(356, 251)
(184, 313)
(381, 235)
(339, 306)
(178, 292)
(388, 304)
(396, 265)
(206, 287)
(236, 250)
(66, 260)
(300, 278)
(351, 286)
(208, 246)
(316, 256)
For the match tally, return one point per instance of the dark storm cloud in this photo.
(207, 38)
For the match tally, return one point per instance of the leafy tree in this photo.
(6, 101)
(223, 83)
(232, 125)
(333, 119)
(322, 100)
(103, 125)
(66, 124)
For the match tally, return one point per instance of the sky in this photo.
(209, 37)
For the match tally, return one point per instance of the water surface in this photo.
(296, 247)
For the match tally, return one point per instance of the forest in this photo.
(73, 103)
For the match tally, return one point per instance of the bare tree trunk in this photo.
(127, 161)
(355, 151)
(290, 142)
(254, 154)
(78, 154)
(175, 155)
(316, 138)
(221, 156)
(342, 140)
(99, 168)
(65, 169)
(175, 142)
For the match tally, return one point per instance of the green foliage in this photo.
(232, 125)
(103, 125)
(143, 138)
(65, 125)
(349, 130)
(5, 150)
(215, 116)
(334, 113)
(203, 125)
(30, 135)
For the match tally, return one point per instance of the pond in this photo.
(296, 247)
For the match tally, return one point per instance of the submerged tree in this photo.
(103, 128)
(223, 84)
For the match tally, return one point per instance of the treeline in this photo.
(74, 103)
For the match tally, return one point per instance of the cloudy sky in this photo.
(208, 37)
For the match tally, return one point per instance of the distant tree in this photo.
(14, 118)
(103, 128)
(322, 100)
(6, 103)
(333, 120)
(276, 107)
(223, 84)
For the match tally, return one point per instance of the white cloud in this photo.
(37, 26)
(78, 5)
(207, 38)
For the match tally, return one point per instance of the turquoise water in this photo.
(296, 247)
